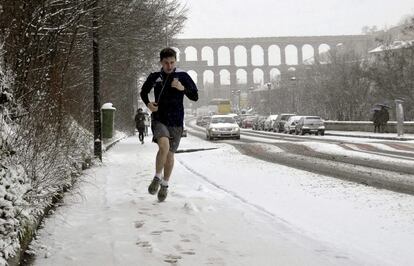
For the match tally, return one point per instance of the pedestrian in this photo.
(167, 118)
(384, 116)
(140, 124)
(376, 120)
(147, 123)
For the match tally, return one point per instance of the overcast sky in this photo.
(270, 18)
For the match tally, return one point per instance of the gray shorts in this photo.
(173, 133)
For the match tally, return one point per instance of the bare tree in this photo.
(336, 90)
(392, 74)
(47, 47)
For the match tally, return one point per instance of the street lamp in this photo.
(293, 79)
(400, 117)
(97, 135)
(269, 87)
(292, 75)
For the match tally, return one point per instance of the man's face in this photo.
(168, 64)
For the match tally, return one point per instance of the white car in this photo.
(289, 126)
(222, 126)
(268, 124)
(310, 124)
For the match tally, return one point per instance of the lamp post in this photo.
(97, 147)
(293, 80)
(400, 117)
(239, 94)
(269, 87)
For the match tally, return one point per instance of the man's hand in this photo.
(152, 106)
(177, 84)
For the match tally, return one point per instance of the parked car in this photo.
(262, 122)
(203, 120)
(222, 126)
(258, 122)
(310, 124)
(289, 126)
(241, 118)
(278, 125)
(247, 122)
(236, 117)
(268, 124)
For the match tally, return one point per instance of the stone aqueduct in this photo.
(271, 47)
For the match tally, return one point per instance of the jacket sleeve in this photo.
(147, 87)
(190, 89)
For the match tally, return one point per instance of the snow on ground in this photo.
(383, 146)
(335, 149)
(348, 136)
(371, 134)
(370, 137)
(224, 208)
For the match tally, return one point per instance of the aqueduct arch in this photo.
(275, 52)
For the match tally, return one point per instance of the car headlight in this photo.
(236, 129)
(214, 129)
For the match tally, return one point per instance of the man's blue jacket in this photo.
(170, 100)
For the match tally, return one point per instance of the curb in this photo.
(369, 137)
(108, 146)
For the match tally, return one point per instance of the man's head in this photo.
(139, 110)
(168, 58)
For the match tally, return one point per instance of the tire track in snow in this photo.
(235, 195)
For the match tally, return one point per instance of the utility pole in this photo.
(294, 87)
(269, 87)
(96, 82)
(400, 117)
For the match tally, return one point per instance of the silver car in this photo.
(289, 126)
(268, 124)
(222, 126)
(310, 124)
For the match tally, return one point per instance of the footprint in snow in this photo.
(172, 258)
(139, 224)
(144, 244)
(156, 233)
(189, 252)
(190, 207)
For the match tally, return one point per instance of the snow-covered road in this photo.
(224, 208)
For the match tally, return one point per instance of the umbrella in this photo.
(382, 105)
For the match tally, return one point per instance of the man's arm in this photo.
(146, 88)
(190, 89)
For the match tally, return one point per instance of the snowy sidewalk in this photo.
(223, 209)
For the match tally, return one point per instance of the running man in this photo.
(167, 118)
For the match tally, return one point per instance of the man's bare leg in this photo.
(168, 166)
(163, 150)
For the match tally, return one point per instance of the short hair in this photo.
(168, 52)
